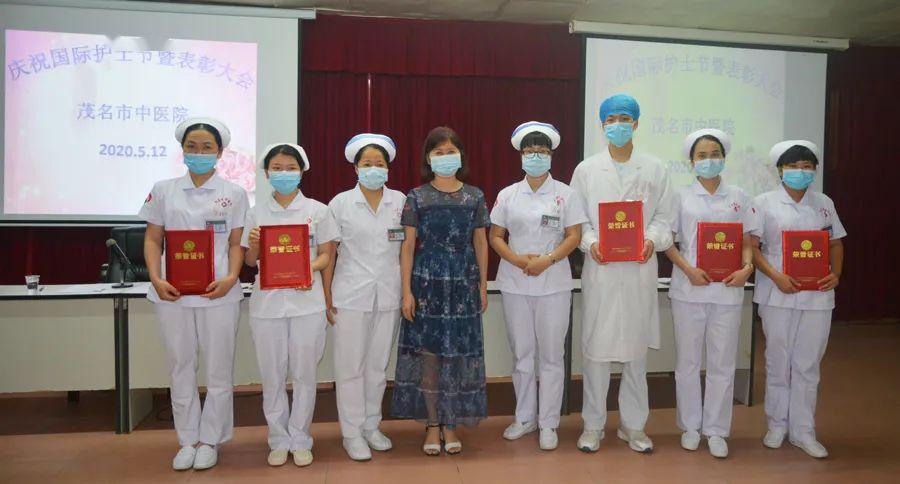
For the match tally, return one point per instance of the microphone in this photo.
(111, 243)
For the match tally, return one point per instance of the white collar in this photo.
(294, 205)
(212, 183)
(721, 190)
(545, 187)
(360, 198)
(785, 197)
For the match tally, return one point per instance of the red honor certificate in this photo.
(284, 257)
(621, 231)
(805, 256)
(189, 260)
(719, 248)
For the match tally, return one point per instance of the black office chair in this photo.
(131, 240)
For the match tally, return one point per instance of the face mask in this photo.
(200, 164)
(284, 182)
(797, 179)
(446, 165)
(619, 134)
(536, 164)
(373, 177)
(709, 168)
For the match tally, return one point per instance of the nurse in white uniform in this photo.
(288, 325)
(363, 298)
(543, 217)
(707, 314)
(620, 308)
(196, 201)
(796, 323)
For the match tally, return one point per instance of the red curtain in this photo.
(403, 77)
(862, 176)
(439, 48)
(482, 110)
(60, 255)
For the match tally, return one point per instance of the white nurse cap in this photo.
(362, 140)
(530, 127)
(265, 152)
(780, 148)
(215, 123)
(716, 133)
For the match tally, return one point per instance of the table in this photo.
(62, 343)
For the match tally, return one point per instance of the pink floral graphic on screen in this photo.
(237, 167)
(112, 104)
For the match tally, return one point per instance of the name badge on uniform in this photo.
(217, 226)
(550, 222)
(396, 235)
(312, 240)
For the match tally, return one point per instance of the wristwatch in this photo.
(553, 259)
(752, 267)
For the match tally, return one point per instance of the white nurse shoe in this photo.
(184, 459)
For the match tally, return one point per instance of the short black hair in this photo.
(535, 138)
(204, 127)
(797, 153)
(707, 137)
(283, 150)
(380, 148)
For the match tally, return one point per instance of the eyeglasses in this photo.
(531, 151)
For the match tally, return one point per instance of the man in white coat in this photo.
(619, 303)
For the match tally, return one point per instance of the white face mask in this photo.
(372, 177)
(446, 165)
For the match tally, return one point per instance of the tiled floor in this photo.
(857, 421)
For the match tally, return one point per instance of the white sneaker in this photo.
(184, 459)
(718, 447)
(637, 440)
(590, 440)
(516, 430)
(690, 440)
(812, 447)
(206, 457)
(277, 457)
(357, 449)
(303, 457)
(548, 440)
(774, 438)
(377, 440)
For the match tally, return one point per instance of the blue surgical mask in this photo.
(200, 164)
(284, 182)
(536, 164)
(619, 134)
(372, 177)
(709, 168)
(446, 165)
(798, 179)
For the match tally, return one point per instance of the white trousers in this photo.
(634, 406)
(212, 331)
(795, 343)
(536, 326)
(715, 327)
(362, 350)
(289, 348)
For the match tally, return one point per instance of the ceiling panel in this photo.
(862, 21)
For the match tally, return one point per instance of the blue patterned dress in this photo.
(440, 376)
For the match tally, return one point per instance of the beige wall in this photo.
(68, 345)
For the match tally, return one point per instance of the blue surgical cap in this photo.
(620, 104)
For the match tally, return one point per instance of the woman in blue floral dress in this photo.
(440, 377)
